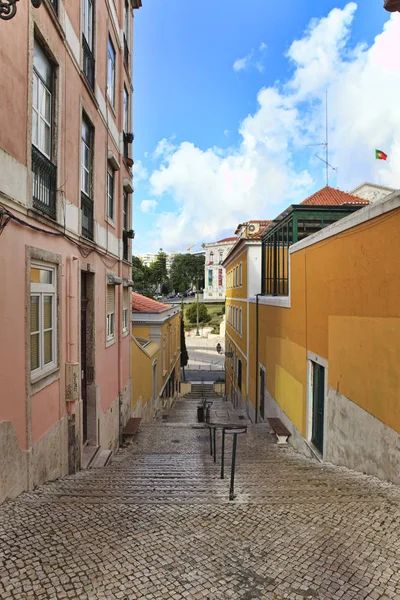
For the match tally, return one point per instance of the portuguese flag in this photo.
(380, 155)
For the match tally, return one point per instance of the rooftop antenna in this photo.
(326, 143)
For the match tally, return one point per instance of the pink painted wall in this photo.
(48, 405)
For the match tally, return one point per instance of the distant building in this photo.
(156, 351)
(372, 191)
(150, 257)
(214, 274)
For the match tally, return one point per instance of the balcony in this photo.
(126, 54)
(88, 62)
(87, 216)
(44, 184)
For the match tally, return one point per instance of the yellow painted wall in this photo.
(142, 372)
(345, 307)
(143, 358)
(231, 290)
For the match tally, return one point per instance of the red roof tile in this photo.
(328, 196)
(230, 239)
(147, 305)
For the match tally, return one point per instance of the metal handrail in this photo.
(227, 429)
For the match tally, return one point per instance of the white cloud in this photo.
(241, 63)
(273, 165)
(164, 148)
(252, 60)
(148, 206)
(140, 173)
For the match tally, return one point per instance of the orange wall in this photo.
(345, 307)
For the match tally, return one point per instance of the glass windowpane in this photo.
(34, 351)
(34, 313)
(41, 275)
(48, 312)
(48, 347)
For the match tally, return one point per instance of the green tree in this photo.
(187, 270)
(158, 268)
(191, 313)
(142, 279)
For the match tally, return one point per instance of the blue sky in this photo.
(230, 153)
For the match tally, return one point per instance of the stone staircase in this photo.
(169, 463)
(201, 390)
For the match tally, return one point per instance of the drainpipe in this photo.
(257, 295)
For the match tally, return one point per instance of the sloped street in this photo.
(157, 524)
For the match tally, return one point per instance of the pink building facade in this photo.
(65, 230)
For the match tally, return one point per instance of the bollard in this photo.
(223, 453)
(232, 487)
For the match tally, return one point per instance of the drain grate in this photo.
(176, 441)
(241, 417)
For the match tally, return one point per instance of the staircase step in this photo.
(89, 454)
(101, 459)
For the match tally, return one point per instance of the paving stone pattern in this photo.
(157, 524)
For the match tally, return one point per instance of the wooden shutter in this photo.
(125, 297)
(110, 299)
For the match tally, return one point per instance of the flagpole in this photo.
(327, 142)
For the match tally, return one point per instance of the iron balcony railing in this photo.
(126, 53)
(87, 216)
(54, 4)
(44, 184)
(88, 62)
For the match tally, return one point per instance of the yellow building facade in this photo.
(323, 354)
(243, 273)
(156, 352)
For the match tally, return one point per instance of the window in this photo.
(86, 157)
(87, 41)
(211, 258)
(126, 110)
(125, 309)
(220, 257)
(126, 33)
(110, 324)
(110, 194)
(43, 304)
(239, 374)
(111, 72)
(240, 274)
(240, 321)
(237, 276)
(42, 102)
(125, 223)
(87, 22)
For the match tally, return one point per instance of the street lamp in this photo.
(197, 295)
(8, 8)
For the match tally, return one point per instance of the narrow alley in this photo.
(157, 524)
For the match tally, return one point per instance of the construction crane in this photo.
(190, 247)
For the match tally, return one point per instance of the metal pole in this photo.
(215, 445)
(223, 453)
(211, 444)
(197, 296)
(232, 488)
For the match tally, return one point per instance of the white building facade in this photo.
(214, 272)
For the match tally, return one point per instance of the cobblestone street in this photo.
(157, 524)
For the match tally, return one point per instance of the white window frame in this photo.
(126, 110)
(240, 321)
(41, 290)
(39, 110)
(111, 71)
(110, 196)
(86, 168)
(125, 311)
(110, 318)
(87, 22)
(240, 274)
